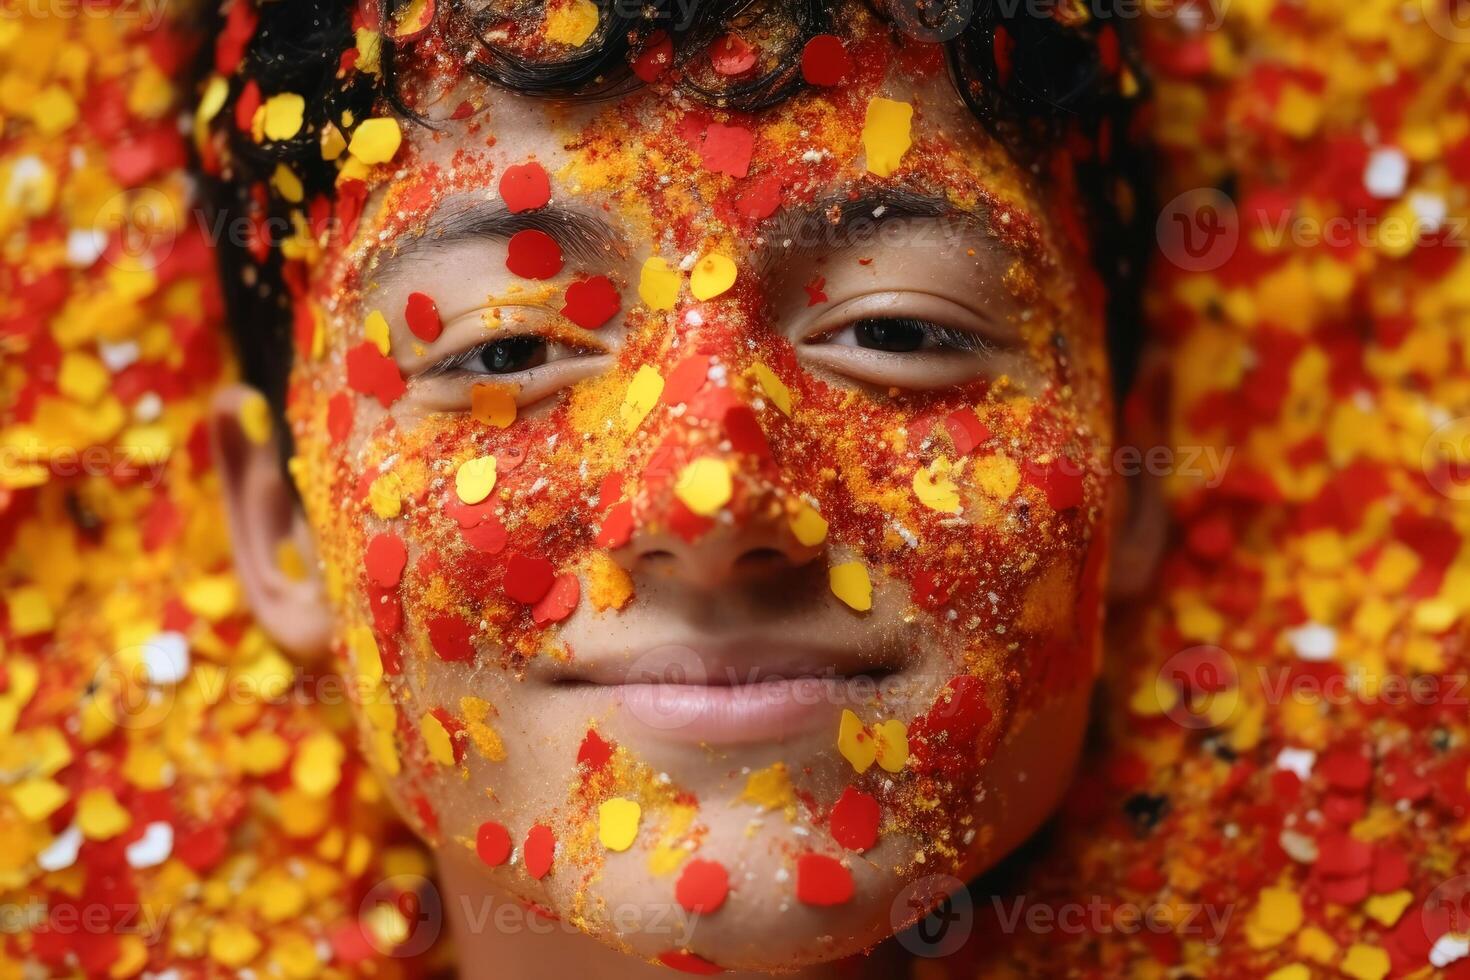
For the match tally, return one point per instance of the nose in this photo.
(717, 519)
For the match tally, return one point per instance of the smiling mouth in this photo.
(739, 695)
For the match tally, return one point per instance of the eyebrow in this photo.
(840, 222)
(584, 237)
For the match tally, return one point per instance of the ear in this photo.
(266, 522)
(1140, 514)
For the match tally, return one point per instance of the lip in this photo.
(730, 694)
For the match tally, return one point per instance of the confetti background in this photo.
(1281, 776)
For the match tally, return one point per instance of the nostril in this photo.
(656, 556)
(759, 559)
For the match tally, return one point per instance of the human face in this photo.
(839, 488)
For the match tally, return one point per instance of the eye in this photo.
(505, 356)
(905, 335)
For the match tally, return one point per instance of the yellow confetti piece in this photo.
(572, 24)
(704, 486)
(212, 597)
(1275, 917)
(808, 526)
(283, 115)
(475, 478)
(712, 276)
(375, 329)
(642, 395)
(892, 741)
(1388, 909)
(617, 823)
(318, 765)
(376, 140)
(100, 816)
(886, 134)
(1365, 962)
(232, 944)
(437, 739)
(333, 143)
(493, 404)
(216, 92)
(772, 387)
(385, 496)
(255, 418)
(936, 489)
(851, 584)
(30, 611)
(1315, 945)
(770, 788)
(658, 285)
(997, 476)
(855, 742)
(486, 739)
(37, 799)
(1294, 971)
(132, 956)
(82, 377)
(287, 184)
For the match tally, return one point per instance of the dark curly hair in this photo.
(1041, 80)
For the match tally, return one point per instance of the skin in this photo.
(727, 600)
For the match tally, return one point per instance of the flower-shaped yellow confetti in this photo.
(438, 740)
(658, 285)
(385, 496)
(855, 742)
(617, 823)
(935, 487)
(851, 584)
(892, 741)
(714, 274)
(704, 486)
(475, 478)
(886, 134)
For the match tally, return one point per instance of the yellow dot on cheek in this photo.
(493, 404)
(886, 134)
(475, 478)
(658, 285)
(617, 823)
(809, 526)
(855, 743)
(712, 276)
(851, 584)
(376, 140)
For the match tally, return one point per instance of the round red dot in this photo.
(492, 843)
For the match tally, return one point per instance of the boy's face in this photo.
(614, 582)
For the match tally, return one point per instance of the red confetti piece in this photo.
(822, 880)
(412, 20)
(527, 578)
(745, 433)
(759, 199)
(559, 601)
(533, 254)
(469, 515)
(423, 317)
(676, 959)
(855, 820)
(814, 294)
(538, 851)
(731, 55)
(685, 380)
(247, 105)
(609, 490)
(617, 526)
(825, 61)
(370, 373)
(451, 638)
(703, 886)
(339, 417)
(655, 58)
(1003, 45)
(1060, 480)
(727, 149)
(492, 843)
(595, 751)
(488, 537)
(687, 524)
(966, 430)
(386, 558)
(386, 610)
(592, 302)
(525, 187)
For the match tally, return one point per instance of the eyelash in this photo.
(968, 341)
